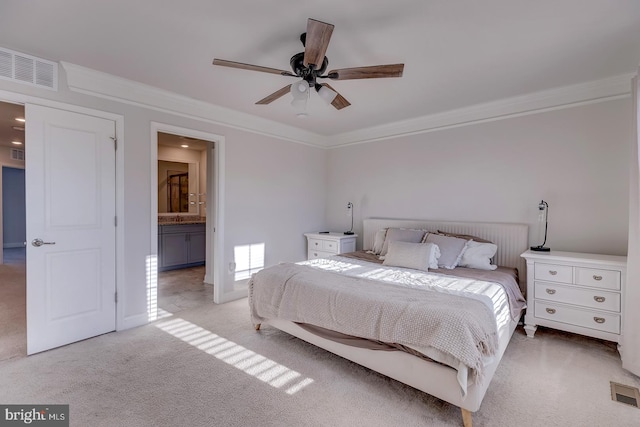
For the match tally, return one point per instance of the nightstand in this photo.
(575, 292)
(322, 245)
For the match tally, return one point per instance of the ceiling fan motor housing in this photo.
(307, 73)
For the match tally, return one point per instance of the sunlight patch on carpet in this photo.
(250, 362)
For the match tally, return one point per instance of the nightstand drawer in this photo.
(330, 246)
(590, 298)
(607, 279)
(313, 254)
(323, 245)
(554, 273)
(315, 244)
(574, 316)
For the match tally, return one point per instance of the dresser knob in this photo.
(597, 277)
(599, 299)
(599, 319)
(551, 291)
(553, 272)
(551, 310)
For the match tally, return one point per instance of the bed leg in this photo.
(466, 418)
(257, 326)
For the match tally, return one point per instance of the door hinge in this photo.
(116, 297)
(115, 142)
(115, 221)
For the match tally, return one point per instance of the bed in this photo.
(459, 374)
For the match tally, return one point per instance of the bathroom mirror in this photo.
(177, 187)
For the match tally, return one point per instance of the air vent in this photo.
(625, 394)
(27, 69)
(17, 154)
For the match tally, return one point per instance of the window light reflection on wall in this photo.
(249, 259)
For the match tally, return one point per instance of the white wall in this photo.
(275, 190)
(576, 159)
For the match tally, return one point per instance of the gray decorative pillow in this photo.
(401, 235)
(451, 249)
(419, 256)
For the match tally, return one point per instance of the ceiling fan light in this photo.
(327, 94)
(300, 89)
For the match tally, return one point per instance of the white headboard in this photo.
(512, 239)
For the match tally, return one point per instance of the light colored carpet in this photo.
(177, 290)
(13, 321)
(206, 366)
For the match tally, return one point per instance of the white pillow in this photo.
(419, 256)
(378, 241)
(478, 255)
(451, 249)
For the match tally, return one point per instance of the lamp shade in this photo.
(543, 224)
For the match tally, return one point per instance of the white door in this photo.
(70, 191)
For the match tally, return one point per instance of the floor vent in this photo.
(22, 68)
(625, 394)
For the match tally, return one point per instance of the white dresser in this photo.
(322, 245)
(575, 292)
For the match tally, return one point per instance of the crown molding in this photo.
(103, 85)
(96, 83)
(611, 88)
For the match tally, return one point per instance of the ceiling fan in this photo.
(311, 65)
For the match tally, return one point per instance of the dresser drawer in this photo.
(554, 273)
(591, 298)
(606, 279)
(600, 321)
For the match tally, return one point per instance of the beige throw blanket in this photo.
(464, 328)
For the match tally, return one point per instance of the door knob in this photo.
(39, 242)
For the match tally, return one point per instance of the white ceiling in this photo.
(169, 140)
(456, 53)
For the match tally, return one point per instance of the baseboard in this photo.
(133, 321)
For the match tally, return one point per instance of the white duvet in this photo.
(285, 291)
(490, 293)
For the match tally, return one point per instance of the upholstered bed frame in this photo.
(432, 378)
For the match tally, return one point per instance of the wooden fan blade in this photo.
(275, 95)
(372, 72)
(317, 41)
(339, 101)
(250, 67)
